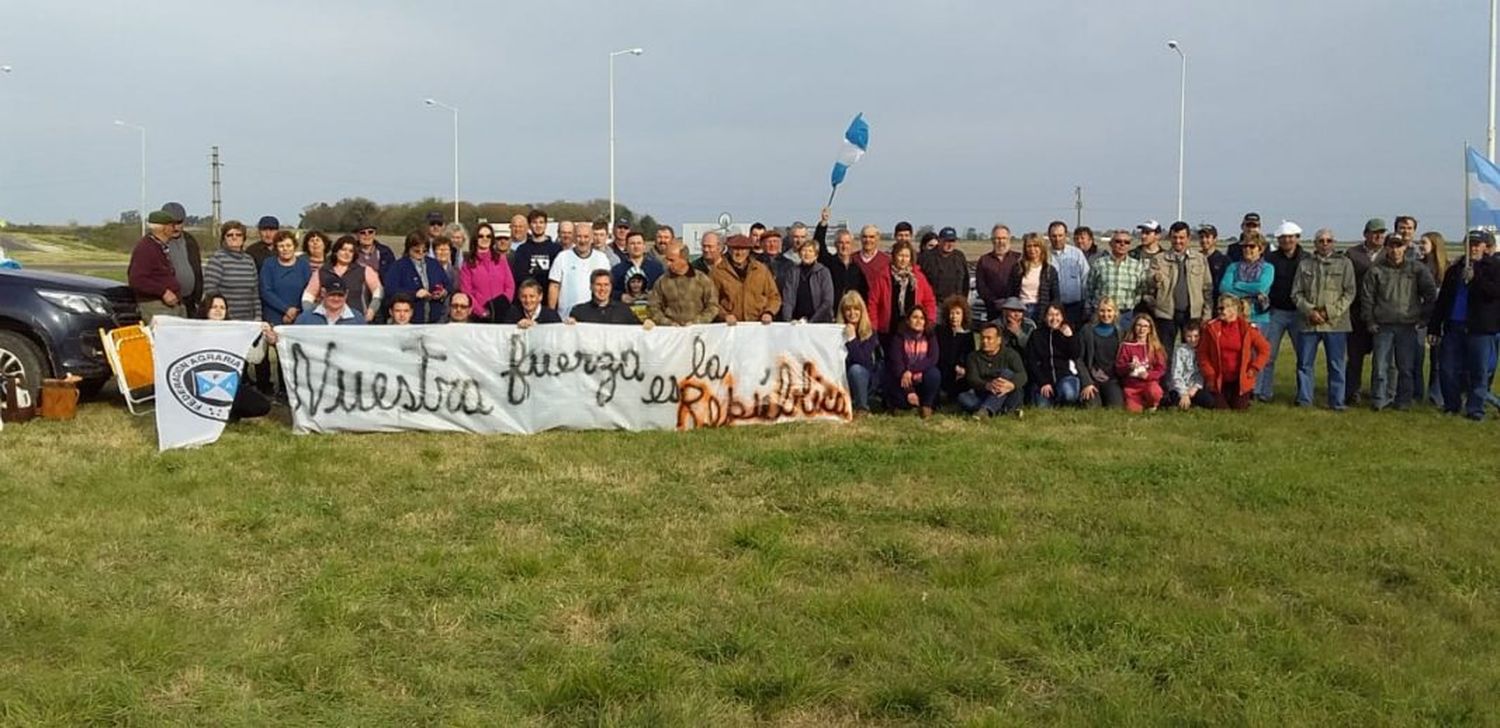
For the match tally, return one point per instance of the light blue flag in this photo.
(856, 141)
(1484, 190)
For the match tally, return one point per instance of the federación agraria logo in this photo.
(205, 382)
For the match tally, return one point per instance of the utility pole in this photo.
(218, 201)
(1077, 207)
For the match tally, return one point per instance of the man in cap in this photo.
(152, 277)
(370, 252)
(1250, 223)
(616, 248)
(434, 228)
(685, 296)
(902, 232)
(1072, 271)
(1015, 325)
(946, 268)
(265, 246)
(1218, 262)
(1399, 293)
(1324, 292)
(1363, 256)
(747, 290)
(187, 258)
(992, 271)
(1448, 327)
(1150, 247)
(334, 310)
(1285, 320)
(1463, 325)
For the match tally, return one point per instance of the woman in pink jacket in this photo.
(485, 274)
(1140, 363)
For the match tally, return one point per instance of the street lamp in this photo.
(441, 105)
(142, 130)
(1181, 121)
(627, 51)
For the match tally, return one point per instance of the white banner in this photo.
(500, 379)
(198, 371)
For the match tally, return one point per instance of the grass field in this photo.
(1281, 566)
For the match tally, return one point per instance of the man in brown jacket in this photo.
(747, 290)
(683, 296)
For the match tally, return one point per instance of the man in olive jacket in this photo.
(683, 296)
(1324, 291)
(1398, 293)
(996, 376)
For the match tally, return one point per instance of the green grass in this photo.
(1279, 566)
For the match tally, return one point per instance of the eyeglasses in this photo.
(459, 305)
(1323, 240)
(486, 237)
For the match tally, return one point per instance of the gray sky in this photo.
(1323, 112)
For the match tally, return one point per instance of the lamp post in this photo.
(454, 109)
(627, 51)
(1489, 135)
(142, 210)
(1181, 121)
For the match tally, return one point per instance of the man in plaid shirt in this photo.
(1117, 276)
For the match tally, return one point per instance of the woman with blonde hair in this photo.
(860, 347)
(1033, 280)
(1101, 345)
(1231, 355)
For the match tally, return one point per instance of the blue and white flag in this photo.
(198, 374)
(856, 141)
(1483, 190)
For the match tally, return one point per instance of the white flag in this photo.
(199, 366)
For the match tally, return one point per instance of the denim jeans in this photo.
(1064, 391)
(1335, 350)
(859, 386)
(1479, 359)
(994, 404)
(1394, 344)
(1452, 373)
(927, 391)
(1281, 322)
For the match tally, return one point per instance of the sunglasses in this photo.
(459, 305)
(486, 237)
(1324, 240)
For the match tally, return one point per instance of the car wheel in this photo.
(21, 358)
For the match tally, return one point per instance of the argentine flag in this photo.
(1483, 191)
(856, 140)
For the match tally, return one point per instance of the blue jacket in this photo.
(403, 278)
(281, 287)
(1260, 314)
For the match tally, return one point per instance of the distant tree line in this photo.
(402, 217)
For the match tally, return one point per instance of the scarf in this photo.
(1105, 330)
(1248, 272)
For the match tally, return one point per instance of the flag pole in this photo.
(1466, 191)
(830, 196)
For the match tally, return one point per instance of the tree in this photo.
(648, 226)
(971, 234)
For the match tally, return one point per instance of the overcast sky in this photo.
(1323, 112)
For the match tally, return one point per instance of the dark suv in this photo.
(49, 325)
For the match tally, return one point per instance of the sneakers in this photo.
(926, 413)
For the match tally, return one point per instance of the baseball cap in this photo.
(334, 286)
(1149, 226)
(268, 222)
(176, 210)
(363, 226)
(902, 227)
(1251, 217)
(1207, 228)
(947, 234)
(1375, 224)
(1481, 236)
(434, 218)
(1394, 239)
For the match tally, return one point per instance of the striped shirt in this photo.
(1122, 280)
(232, 274)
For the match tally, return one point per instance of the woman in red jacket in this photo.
(1231, 354)
(909, 287)
(1140, 363)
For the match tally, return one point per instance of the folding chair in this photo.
(130, 353)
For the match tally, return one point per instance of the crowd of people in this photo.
(1134, 322)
